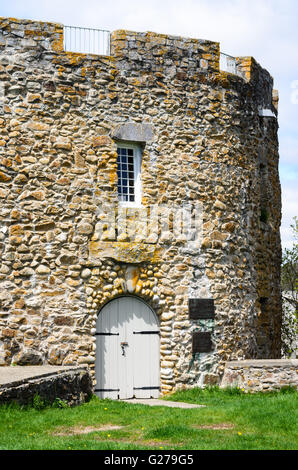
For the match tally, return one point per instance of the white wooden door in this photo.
(127, 350)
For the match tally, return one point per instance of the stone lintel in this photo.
(133, 132)
(128, 252)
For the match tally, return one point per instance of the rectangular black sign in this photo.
(201, 309)
(201, 342)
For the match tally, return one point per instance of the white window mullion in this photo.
(129, 190)
(137, 171)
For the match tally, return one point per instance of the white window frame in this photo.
(137, 155)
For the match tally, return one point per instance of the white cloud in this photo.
(288, 150)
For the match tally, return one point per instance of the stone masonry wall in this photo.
(261, 375)
(20, 384)
(204, 144)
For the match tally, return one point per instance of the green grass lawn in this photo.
(231, 420)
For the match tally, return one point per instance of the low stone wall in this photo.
(21, 384)
(261, 375)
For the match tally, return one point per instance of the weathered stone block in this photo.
(134, 132)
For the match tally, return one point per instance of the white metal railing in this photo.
(97, 41)
(228, 63)
(86, 40)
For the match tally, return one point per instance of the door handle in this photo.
(123, 344)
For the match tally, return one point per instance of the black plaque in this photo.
(264, 305)
(201, 309)
(201, 342)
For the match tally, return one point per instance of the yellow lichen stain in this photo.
(102, 141)
(129, 252)
(34, 33)
(120, 34)
(10, 19)
(60, 70)
(113, 177)
(246, 65)
(51, 293)
(135, 276)
(57, 44)
(135, 82)
(209, 57)
(75, 58)
(132, 276)
(159, 38)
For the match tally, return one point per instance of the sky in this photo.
(264, 29)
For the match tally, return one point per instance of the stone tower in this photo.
(195, 236)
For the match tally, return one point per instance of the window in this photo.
(129, 174)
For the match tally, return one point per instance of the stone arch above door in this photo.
(111, 279)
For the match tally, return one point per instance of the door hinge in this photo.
(146, 332)
(106, 334)
(146, 388)
(107, 389)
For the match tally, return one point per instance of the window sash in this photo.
(129, 174)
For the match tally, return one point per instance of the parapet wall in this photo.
(261, 375)
(24, 35)
(205, 142)
(73, 385)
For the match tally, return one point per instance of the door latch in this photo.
(123, 344)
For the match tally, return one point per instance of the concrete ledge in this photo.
(21, 383)
(261, 375)
(263, 363)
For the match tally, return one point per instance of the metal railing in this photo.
(97, 41)
(86, 40)
(228, 63)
